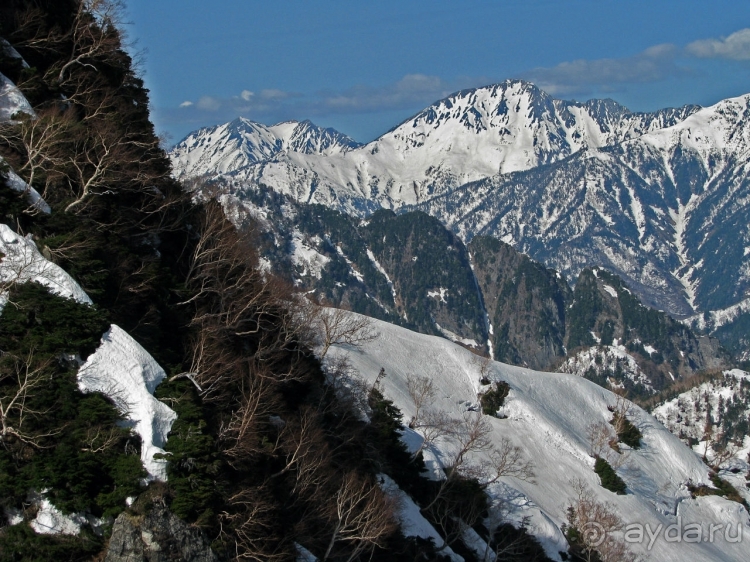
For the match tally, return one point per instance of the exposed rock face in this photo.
(604, 313)
(525, 304)
(159, 536)
(408, 269)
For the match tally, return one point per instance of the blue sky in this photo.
(363, 67)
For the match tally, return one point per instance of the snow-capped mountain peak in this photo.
(470, 135)
(242, 142)
(646, 195)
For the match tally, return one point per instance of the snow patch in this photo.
(380, 268)
(22, 263)
(611, 291)
(12, 100)
(125, 372)
(304, 555)
(357, 275)
(606, 358)
(455, 337)
(439, 294)
(16, 183)
(686, 416)
(718, 318)
(51, 521)
(308, 259)
(413, 523)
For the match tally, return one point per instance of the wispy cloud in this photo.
(413, 91)
(608, 74)
(206, 103)
(654, 64)
(736, 47)
(576, 78)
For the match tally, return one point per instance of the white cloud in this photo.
(186, 103)
(736, 47)
(650, 65)
(410, 90)
(413, 91)
(208, 103)
(272, 94)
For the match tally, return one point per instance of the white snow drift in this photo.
(22, 263)
(126, 373)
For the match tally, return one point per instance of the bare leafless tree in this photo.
(99, 439)
(91, 37)
(722, 452)
(604, 443)
(594, 525)
(507, 459)
(340, 327)
(472, 455)
(20, 377)
(253, 519)
(37, 146)
(362, 516)
(621, 410)
(422, 391)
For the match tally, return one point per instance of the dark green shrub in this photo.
(609, 477)
(493, 399)
(723, 489)
(626, 431)
(20, 543)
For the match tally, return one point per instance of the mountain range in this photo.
(174, 387)
(660, 199)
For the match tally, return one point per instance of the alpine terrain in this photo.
(285, 346)
(659, 199)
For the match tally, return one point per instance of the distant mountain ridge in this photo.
(241, 143)
(662, 199)
(470, 135)
(409, 270)
(668, 211)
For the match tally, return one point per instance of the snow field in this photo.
(548, 416)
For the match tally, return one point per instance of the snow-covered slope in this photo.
(468, 136)
(714, 319)
(21, 262)
(549, 416)
(601, 360)
(125, 372)
(242, 143)
(713, 417)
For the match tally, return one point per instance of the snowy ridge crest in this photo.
(241, 143)
(468, 136)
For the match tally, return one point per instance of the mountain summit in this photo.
(241, 143)
(470, 135)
